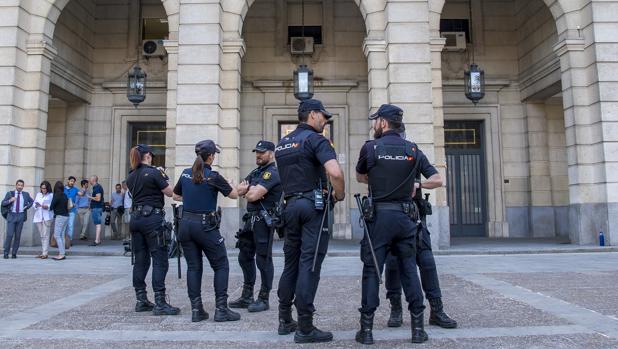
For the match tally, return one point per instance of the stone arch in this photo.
(46, 13)
(564, 13)
(235, 11)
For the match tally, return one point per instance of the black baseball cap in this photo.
(206, 146)
(144, 149)
(388, 111)
(263, 146)
(308, 105)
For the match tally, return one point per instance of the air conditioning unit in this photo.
(153, 48)
(455, 41)
(301, 45)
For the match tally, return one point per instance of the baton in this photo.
(175, 210)
(366, 230)
(131, 247)
(326, 209)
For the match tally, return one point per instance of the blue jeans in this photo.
(60, 224)
(69, 229)
(96, 213)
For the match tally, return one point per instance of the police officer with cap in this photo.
(197, 188)
(424, 259)
(306, 160)
(389, 165)
(148, 185)
(262, 189)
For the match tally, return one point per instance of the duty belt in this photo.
(299, 195)
(393, 206)
(155, 210)
(198, 216)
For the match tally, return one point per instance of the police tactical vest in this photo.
(198, 198)
(298, 170)
(391, 178)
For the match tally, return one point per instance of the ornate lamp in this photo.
(136, 85)
(303, 82)
(474, 80)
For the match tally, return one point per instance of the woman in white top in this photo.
(43, 216)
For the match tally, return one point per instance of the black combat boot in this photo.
(418, 329)
(287, 324)
(438, 317)
(307, 333)
(197, 310)
(222, 312)
(396, 318)
(162, 307)
(261, 303)
(143, 304)
(245, 299)
(365, 334)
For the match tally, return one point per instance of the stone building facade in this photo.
(537, 157)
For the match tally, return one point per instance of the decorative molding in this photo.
(40, 46)
(171, 46)
(437, 44)
(234, 46)
(374, 45)
(319, 85)
(567, 45)
(121, 86)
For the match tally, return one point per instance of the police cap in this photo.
(389, 112)
(144, 149)
(206, 146)
(308, 105)
(264, 146)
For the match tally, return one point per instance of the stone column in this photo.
(171, 46)
(591, 133)
(541, 214)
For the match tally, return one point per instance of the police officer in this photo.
(197, 188)
(424, 260)
(305, 158)
(388, 164)
(262, 189)
(148, 185)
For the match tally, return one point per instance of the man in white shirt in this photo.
(128, 202)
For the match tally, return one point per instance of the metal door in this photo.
(466, 188)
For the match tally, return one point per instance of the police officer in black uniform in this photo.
(388, 164)
(262, 189)
(305, 160)
(198, 188)
(424, 260)
(147, 185)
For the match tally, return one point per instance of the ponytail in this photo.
(198, 170)
(135, 158)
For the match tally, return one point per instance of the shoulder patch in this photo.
(266, 175)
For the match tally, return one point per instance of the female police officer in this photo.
(148, 185)
(197, 188)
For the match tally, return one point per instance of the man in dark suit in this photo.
(16, 202)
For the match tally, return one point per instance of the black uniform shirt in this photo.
(268, 177)
(145, 184)
(366, 158)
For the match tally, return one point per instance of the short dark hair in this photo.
(118, 185)
(84, 181)
(20, 181)
(393, 125)
(303, 115)
(47, 186)
(73, 178)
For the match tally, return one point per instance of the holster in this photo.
(163, 235)
(244, 234)
(368, 209)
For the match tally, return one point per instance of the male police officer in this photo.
(305, 158)
(424, 260)
(388, 164)
(262, 189)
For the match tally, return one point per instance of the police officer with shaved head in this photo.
(306, 162)
(262, 189)
(388, 164)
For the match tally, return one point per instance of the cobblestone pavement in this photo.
(510, 301)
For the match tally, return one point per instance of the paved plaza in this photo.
(555, 300)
